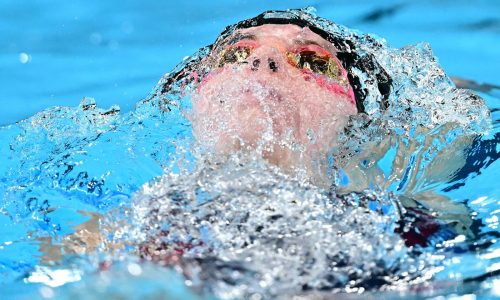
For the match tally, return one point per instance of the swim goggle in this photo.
(303, 59)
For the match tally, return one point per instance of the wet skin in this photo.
(275, 89)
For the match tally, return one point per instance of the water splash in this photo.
(240, 228)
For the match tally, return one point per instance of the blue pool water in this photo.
(66, 166)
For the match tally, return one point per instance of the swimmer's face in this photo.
(278, 89)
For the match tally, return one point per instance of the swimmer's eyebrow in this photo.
(239, 36)
(306, 42)
(322, 46)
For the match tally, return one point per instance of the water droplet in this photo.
(134, 269)
(24, 58)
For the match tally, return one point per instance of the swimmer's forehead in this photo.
(289, 34)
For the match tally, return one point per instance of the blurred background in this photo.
(56, 52)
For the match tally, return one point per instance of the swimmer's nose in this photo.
(256, 64)
(267, 59)
(272, 65)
